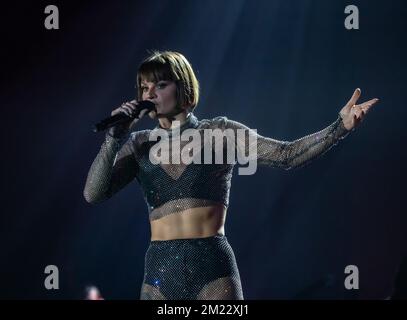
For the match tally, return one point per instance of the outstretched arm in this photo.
(297, 153)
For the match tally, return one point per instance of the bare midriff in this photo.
(198, 222)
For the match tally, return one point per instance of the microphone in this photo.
(122, 117)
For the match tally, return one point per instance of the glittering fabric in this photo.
(173, 187)
(203, 268)
(191, 269)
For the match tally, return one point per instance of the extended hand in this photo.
(352, 114)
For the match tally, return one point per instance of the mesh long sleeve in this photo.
(291, 154)
(114, 167)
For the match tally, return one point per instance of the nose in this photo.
(151, 93)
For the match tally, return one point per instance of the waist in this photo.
(199, 222)
(198, 242)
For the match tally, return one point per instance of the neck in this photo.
(179, 120)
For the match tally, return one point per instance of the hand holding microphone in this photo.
(124, 118)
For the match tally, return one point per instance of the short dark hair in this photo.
(170, 66)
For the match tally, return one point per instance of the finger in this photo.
(118, 110)
(362, 116)
(134, 103)
(358, 112)
(368, 104)
(356, 120)
(125, 109)
(130, 105)
(354, 98)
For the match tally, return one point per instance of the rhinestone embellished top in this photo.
(176, 186)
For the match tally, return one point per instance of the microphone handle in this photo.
(111, 122)
(122, 117)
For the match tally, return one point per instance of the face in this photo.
(162, 94)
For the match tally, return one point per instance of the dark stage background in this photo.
(285, 68)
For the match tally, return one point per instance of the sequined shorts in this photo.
(191, 269)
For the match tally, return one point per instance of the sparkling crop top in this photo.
(173, 187)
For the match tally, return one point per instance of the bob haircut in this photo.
(170, 66)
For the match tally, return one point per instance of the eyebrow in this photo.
(144, 83)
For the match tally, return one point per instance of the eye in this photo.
(161, 85)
